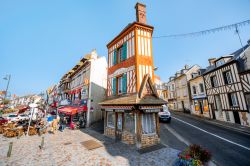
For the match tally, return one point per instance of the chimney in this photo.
(141, 13)
(211, 61)
(186, 67)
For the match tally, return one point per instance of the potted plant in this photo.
(194, 155)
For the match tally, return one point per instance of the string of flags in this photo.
(234, 26)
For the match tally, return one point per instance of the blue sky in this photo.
(41, 40)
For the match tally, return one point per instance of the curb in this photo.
(210, 121)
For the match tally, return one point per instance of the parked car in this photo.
(3, 120)
(13, 117)
(164, 114)
(24, 117)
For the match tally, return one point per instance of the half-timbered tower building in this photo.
(132, 100)
(227, 85)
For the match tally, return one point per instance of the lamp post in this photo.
(7, 77)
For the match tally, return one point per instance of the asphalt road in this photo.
(228, 147)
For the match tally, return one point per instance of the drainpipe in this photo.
(89, 97)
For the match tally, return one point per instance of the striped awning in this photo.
(114, 107)
(150, 107)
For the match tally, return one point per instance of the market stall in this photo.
(76, 116)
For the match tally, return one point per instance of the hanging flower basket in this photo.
(194, 155)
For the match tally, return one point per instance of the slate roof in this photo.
(235, 57)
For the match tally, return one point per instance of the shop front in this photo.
(75, 116)
(200, 106)
(134, 119)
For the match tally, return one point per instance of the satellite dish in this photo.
(33, 105)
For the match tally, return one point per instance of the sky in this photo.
(41, 40)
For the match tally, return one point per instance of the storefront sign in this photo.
(84, 92)
(109, 110)
(119, 110)
(151, 110)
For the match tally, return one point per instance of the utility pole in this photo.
(7, 78)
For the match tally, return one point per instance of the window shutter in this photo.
(114, 59)
(124, 51)
(114, 86)
(124, 83)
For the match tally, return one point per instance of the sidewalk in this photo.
(232, 126)
(66, 148)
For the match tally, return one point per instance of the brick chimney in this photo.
(141, 13)
(211, 61)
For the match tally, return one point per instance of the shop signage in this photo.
(86, 81)
(85, 92)
(110, 110)
(119, 110)
(151, 110)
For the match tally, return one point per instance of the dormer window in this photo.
(220, 62)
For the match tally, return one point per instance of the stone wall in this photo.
(149, 140)
(128, 137)
(109, 132)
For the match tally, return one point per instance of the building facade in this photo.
(227, 86)
(86, 84)
(183, 96)
(199, 104)
(132, 100)
(172, 102)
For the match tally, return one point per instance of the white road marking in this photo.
(224, 139)
(178, 136)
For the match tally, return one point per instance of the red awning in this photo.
(70, 110)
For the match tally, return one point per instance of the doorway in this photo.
(201, 106)
(218, 104)
(119, 126)
(236, 117)
(182, 105)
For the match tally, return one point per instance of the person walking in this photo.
(63, 123)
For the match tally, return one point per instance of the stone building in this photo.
(199, 104)
(132, 100)
(172, 102)
(183, 96)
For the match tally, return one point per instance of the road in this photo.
(228, 147)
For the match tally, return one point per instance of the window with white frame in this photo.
(228, 77)
(214, 82)
(201, 87)
(194, 90)
(232, 97)
(111, 119)
(148, 124)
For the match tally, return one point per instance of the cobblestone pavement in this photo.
(65, 148)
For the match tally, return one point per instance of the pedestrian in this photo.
(63, 123)
(54, 125)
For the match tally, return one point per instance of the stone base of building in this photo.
(149, 140)
(109, 132)
(128, 138)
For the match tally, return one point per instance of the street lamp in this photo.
(7, 77)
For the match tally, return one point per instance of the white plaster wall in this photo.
(98, 81)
